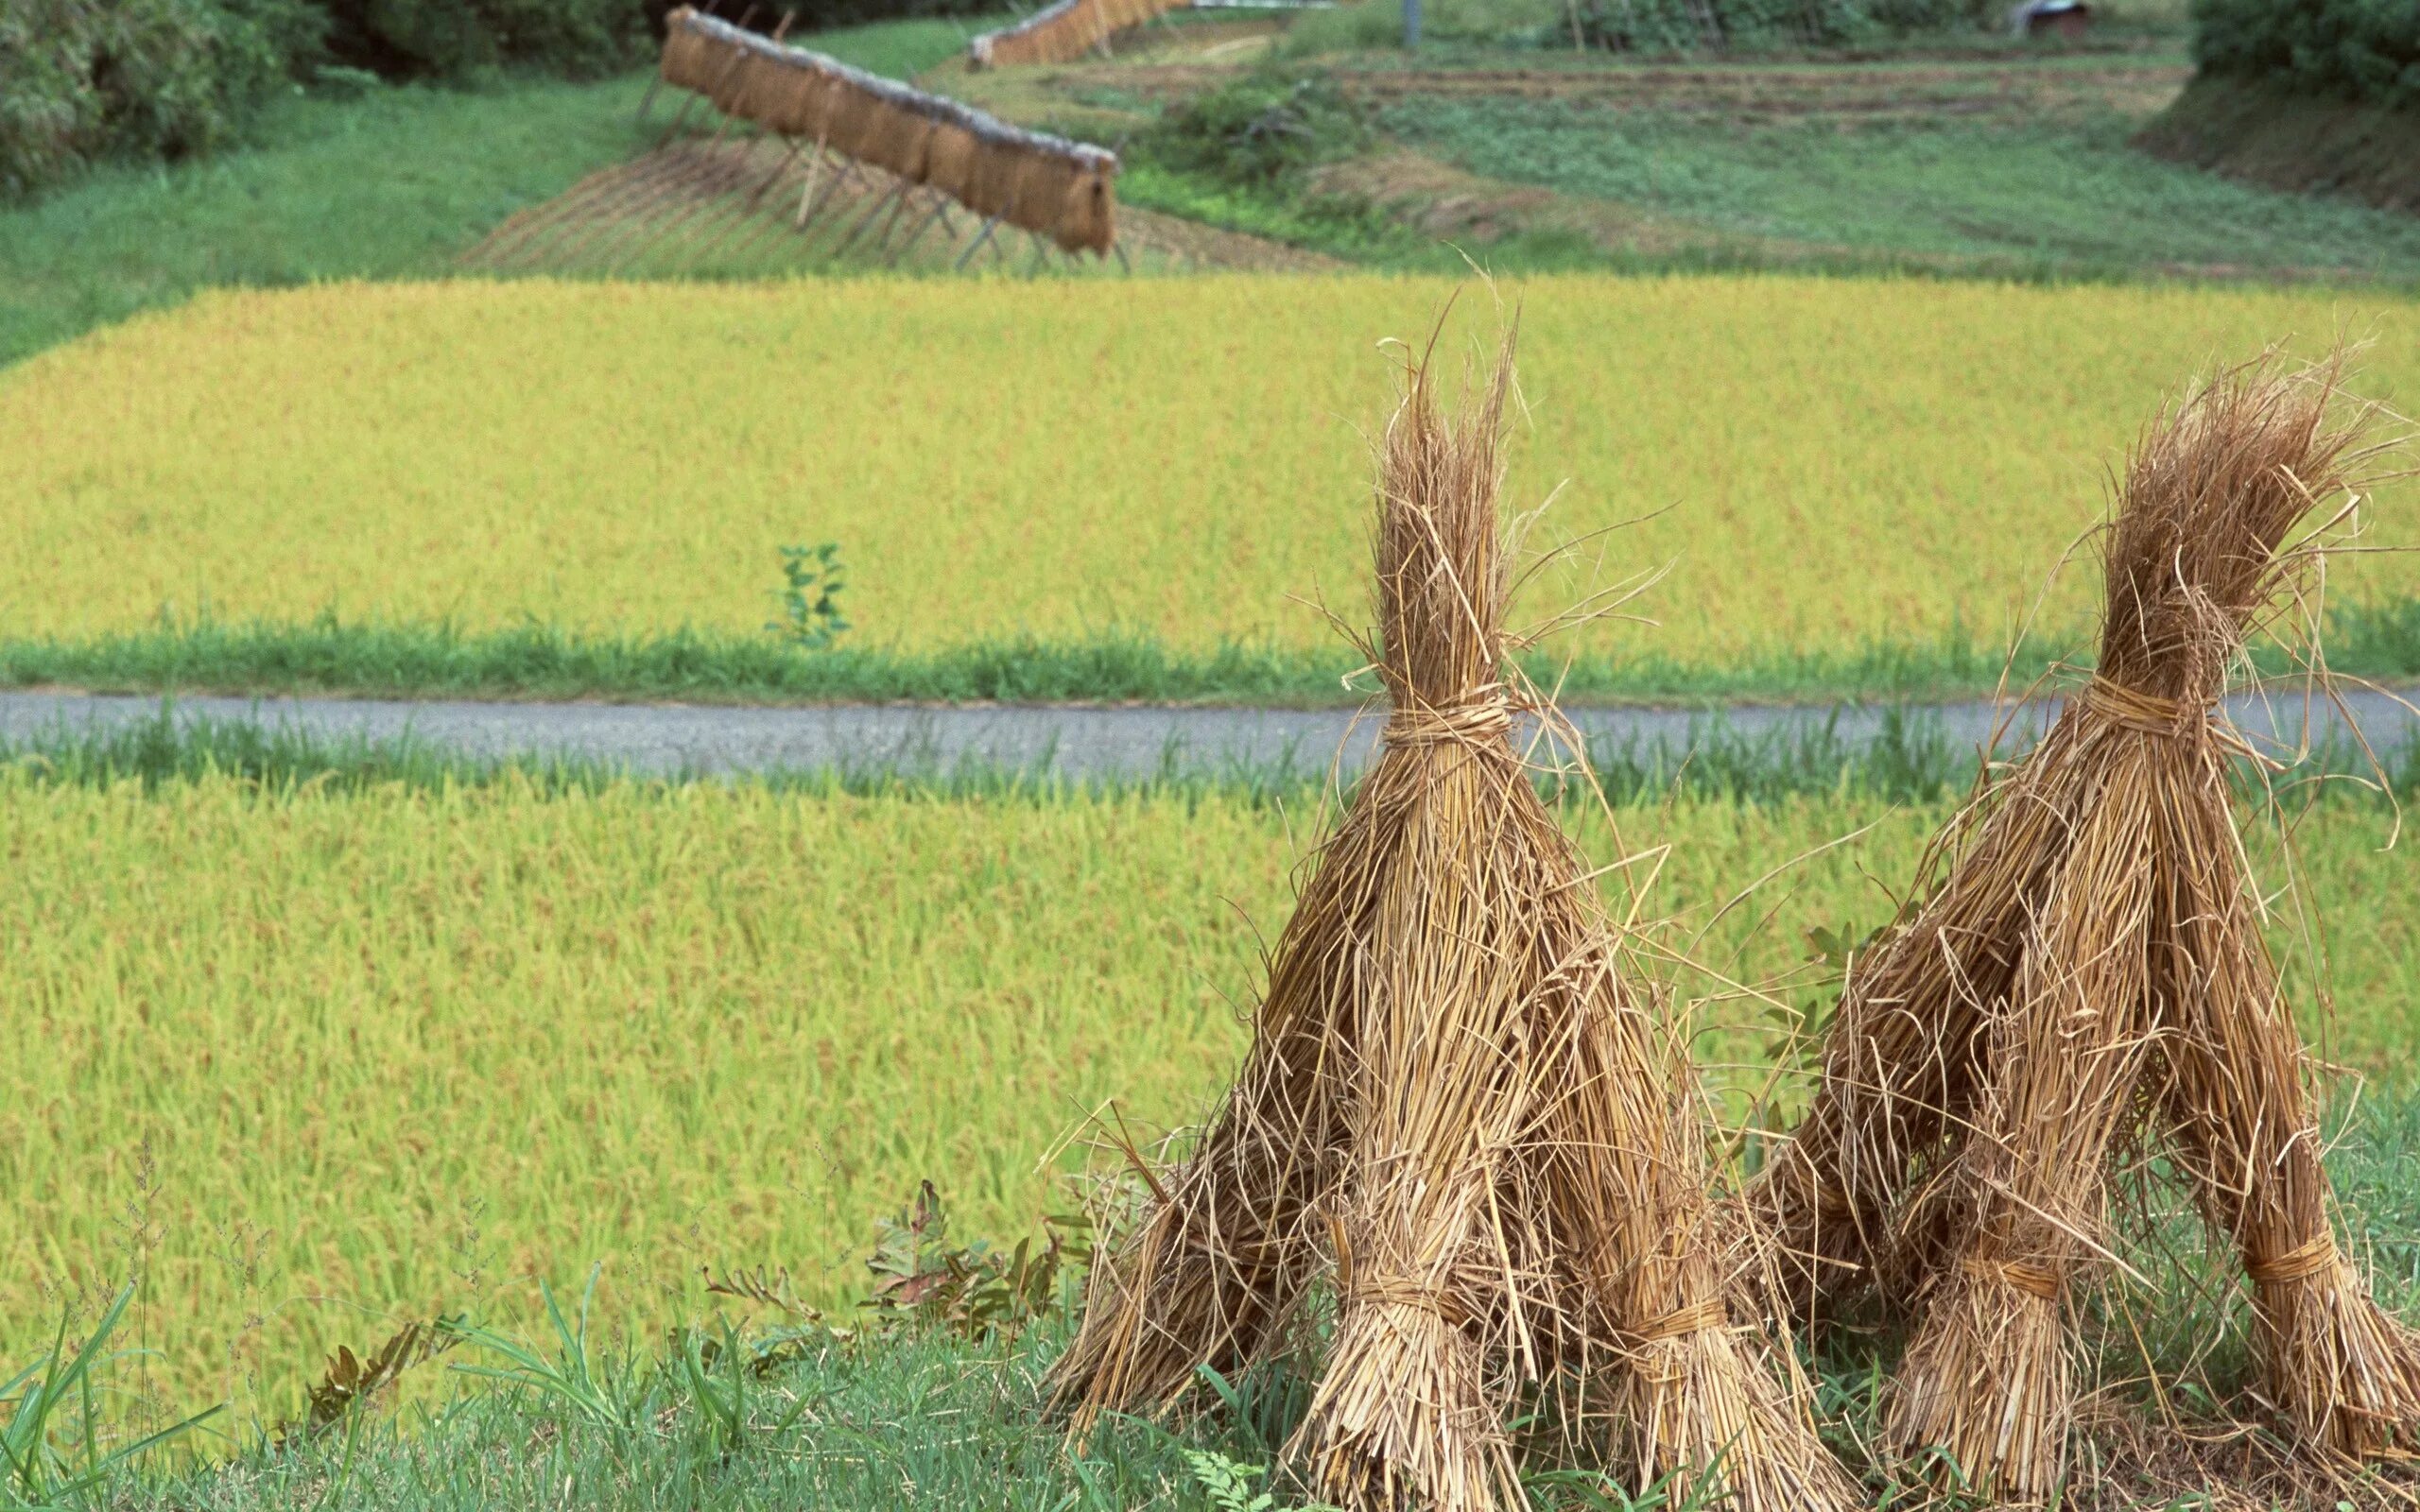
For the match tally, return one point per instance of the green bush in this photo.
(457, 39)
(153, 78)
(1260, 129)
(811, 16)
(1683, 26)
(2366, 50)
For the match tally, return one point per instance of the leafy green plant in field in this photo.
(1234, 1487)
(921, 1280)
(54, 1433)
(810, 596)
(606, 1392)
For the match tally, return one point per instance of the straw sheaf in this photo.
(1046, 185)
(1463, 1116)
(949, 161)
(2090, 971)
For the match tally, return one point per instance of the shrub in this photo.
(809, 16)
(1260, 129)
(1682, 26)
(454, 39)
(2366, 50)
(155, 79)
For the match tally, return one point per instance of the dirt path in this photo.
(1065, 741)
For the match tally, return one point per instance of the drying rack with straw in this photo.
(812, 148)
(1065, 31)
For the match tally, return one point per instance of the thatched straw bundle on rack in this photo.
(1461, 1117)
(1055, 188)
(2091, 969)
(1063, 32)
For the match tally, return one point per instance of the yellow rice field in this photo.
(411, 1049)
(1827, 463)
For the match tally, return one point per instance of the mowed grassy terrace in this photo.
(393, 184)
(422, 1045)
(1825, 465)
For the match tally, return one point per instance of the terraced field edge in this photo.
(541, 662)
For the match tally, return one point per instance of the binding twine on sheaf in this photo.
(2134, 709)
(1476, 719)
(2034, 1280)
(1698, 1317)
(1398, 1292)
(2299, 1263)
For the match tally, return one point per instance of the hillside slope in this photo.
(2291, 141)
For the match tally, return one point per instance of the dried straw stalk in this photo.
(2091, 969)
(1460, 1116)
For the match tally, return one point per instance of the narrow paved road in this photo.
(1123, 742)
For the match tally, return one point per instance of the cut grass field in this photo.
(419, 1041)
(2059, 194)
(1834, 478)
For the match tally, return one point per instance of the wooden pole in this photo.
(977, 245)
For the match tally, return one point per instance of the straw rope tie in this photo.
(1475, 719)
(2134, 709)
(2034, 1280)
(1695, 1318)
(2299, 1263)
(1398, 1292)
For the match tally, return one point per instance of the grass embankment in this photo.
(394, 184)
(2293, 142)
(539, 662)
(1845, 487)
(407, 1044)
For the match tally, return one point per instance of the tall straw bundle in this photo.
(691, 60)
(757, 89)
(2091, 969)
(802, 107)
(949, 159)
(1461, 1114)
(990, 180)
(895, 140)
(1088, 211)
(854, 126)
